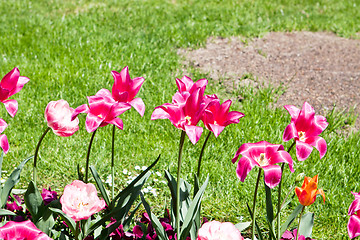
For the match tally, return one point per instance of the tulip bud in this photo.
(299, 178)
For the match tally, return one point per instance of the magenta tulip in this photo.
(215, 230)
(125, 89)
(184, 113)
(11, 84)
(354, 213)
(58, 116)
(264, 155)
(22, 230)
(102, 110)
(80, 200)
(4, 144)
(305, 128)
(186, 84)
(217, 116)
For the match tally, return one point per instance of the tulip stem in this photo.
(297, 232)
(112, 163)
(292, 145)
(254, 204)
(36, 154)
(182, 138)
(201, 154)
(88, 157)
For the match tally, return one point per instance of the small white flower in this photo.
(144, 168)
(129, 173)
(3, 180)
(137, 167)
(125, 171)
(153, 191)
(149, 188)
(145, 190)
(109, 180)
(158, 173)
(163, 181)
(155, 179)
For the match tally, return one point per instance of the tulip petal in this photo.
(139, 105)
(272, 175)
(321, 192)
(293, 111)
(319, 143)
(117, 122)
(3, 125)
(282, 156)
(4, 143)
(184, 84)
(92, 122)
(20, 84)
(193, 132)
(159, 113)
(243, 168)
(303, 150)
(253, 150)
(354, 207)
(117, 109)
(80, 109)
(103, 93)
(290, 132)
(216, 129)
(135, 86)
(233, 117)
(10, 80)
(353, 226)
(11, 106)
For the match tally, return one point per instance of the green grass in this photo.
(68, 50)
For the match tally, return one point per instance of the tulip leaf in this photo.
(4, 212)
(100, 185)
(256, 225)
(154, 220)
(1, 161)
(34, 202)
(192, 211)
(68, 220)
(306, 224)
(291, 218)
(11, 182)
(80, 175)
(127, 222)
(242, 226)
(196, 184)
(269, 205)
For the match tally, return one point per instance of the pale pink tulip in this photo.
(217, 116)
(186, 84)
(125, 89)
(264, 155)
(58, 117)
(4, 144)
(102, 110)
(11, 84)
(80, 200)
(305, 128)
(215, 230)
(354, 213)
(22, 230)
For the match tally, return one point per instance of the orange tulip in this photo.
(308, 191)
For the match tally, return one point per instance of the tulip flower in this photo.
(288, 235)
(264, 155)
(305, 128)
(125, 89)
(11, 84)
(186, 84)
(4, 144)
(308, 191)
(217, 116)
(215, 230)
(80, 201)
(58, 117)
(22, 230)
(353, 226)
(48, 196)
(184, 113)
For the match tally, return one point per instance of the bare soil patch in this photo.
(320, 68)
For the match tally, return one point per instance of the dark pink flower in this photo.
(125, 89)
(58, 117)
(48, 196)
(215, 230)
(217, 116)
(22, 230)
(288, 235)
(354, 213)
(102, 110)
(305, 128)
(184, 112)
(264, 155)
(11, 84)
(4, 144)
(186, 84)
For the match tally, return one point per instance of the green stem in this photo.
(201, 154)
(182, 138)
(88, 157)
(292, 145)
(36, 154)
(297, 232)
(112, 163)
(254, 204)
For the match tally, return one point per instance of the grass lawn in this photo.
(69, 48)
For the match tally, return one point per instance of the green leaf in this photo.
(34, 202)
(192, 211)
(4, 212)
(68, 220)
(1, 161)
(80, 175)
(306, 224)
(269, 204)
(100, 185)
(127, 222)
(11, 182)
(242, 226)
(291, 218)
(196, 184)
(154, 220)
(256, 225)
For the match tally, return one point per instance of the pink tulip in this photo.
(288, 235)
(186, 84)
(11, 84)
(4, 144)
(102, 110)
(80, 201)
(215, 230)
(125, 89)
(354, 213)
(58, 117)
(216, 117)
(22, 230)
(264, 155)
(184, 113)
(305, 128)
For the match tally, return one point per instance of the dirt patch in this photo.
(320, 68)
